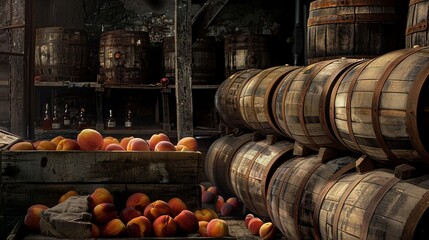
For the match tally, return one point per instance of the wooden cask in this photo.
(379, 107)
(417, 24)
(256, 97)
(356, 29)
(252, 168)
(294, 189)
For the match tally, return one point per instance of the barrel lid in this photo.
(7, 139)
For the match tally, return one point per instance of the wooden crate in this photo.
(41, 177)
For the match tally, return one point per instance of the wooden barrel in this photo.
(204, 64)
(218, 161)
(252, 168)
(305, 103)
(294, 188)
(374, 205)
(245, 51)
(256, 97)
(356, 29)
(60, 54)
(124, 57)
(380, 107)
(417, 24)
(227, 98)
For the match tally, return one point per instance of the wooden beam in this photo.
(205, 16)
(183, 63)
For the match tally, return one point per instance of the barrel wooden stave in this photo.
(417, 24)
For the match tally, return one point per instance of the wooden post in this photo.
(183, 63)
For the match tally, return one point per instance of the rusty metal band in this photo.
(319, 59)
(419, 27)
(342, 202)
(372, 206)
(289, 78)
(376, 98)
(330, 183)
(413, 2)
(414, 217)
(298, 196)
(351, 3)
(301, 103)
(353, 18)
(412, 111)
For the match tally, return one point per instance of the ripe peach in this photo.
(235, 202)
(203, 189)
(217, 228)
(95, 231)
(22, 146)
(254, 225)
(138, 200)
(32, 218)
(268, 231)
(205, 214)
(164, 226)
(108, 140)
(227, 210)
(90, 139)
(68, 144)
(181, 148)
(202, 228)
(114, 147)
(124, 141)
(137, 144)
(100, 195)
(46, 145)
(247, 219)
(104, 212)
(163, 146)
(213, 189)
(128, 214)
(139, 227)
(57, 139)
(176, 205)
(36, 143)
(156, 209)
(156, 138)
(186, 222)
(189, 142)
(66, 195)
(220, 201)
(208, 197)
(113, 228)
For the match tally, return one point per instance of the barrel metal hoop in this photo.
(352, 18)
(319, 59)
(419, 27)
(341, 3)
(414, 217)
(413, 2)
(373, 204)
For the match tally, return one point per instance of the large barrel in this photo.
(227, 98)
(355, 29)
(61, 54)
(417, 24)
(245, 51)
(256, 97)
(124, 57)
(251, 170)
(293, 191)
(380, 107)
(374, 205)
(204, 64)
(218, 161)
(305, 103)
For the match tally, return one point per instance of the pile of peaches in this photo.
(91, 140)
(140, 217)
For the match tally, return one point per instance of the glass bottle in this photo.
(66, 118)
(128, 120)
(111, 122)
(82, 122)
(47, 121)
(56, 123)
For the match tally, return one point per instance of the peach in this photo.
(46, 145)
(104, 212)
(124, 141)
(220, 201)
(189, 142)
(202, 228)
(68, 144)
(138, 200)
(100, 195)
(181, 148)
(67, 195)
(108, 140)
(205, 214)
(217, 228)
(129, 213)
(163, 146)
(176, 205)
(156, 209)
(156, 138)
(90, 139)
(139, 227)
(22, 146)
(227, 210)
(254, 225)
(247, 219)
(186, 222)
(213, 189)
(203, 189)
(95, 231)
(32, 218)
(268, 231)
(164, 226)
(138, 144)
(114, 147)
(57, 139)
(113, 228)
(208, 197)
(36, 143)
(235, 202)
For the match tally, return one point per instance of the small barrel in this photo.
(204, 64)
(374, 205)
(417, 32)
(355, 29)
(380, 107)
(294, 188)
(252, 168)
(124, 57)
(218, 161)
(256, 97)
(245, 51)
(227, 98)
(61, 54)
